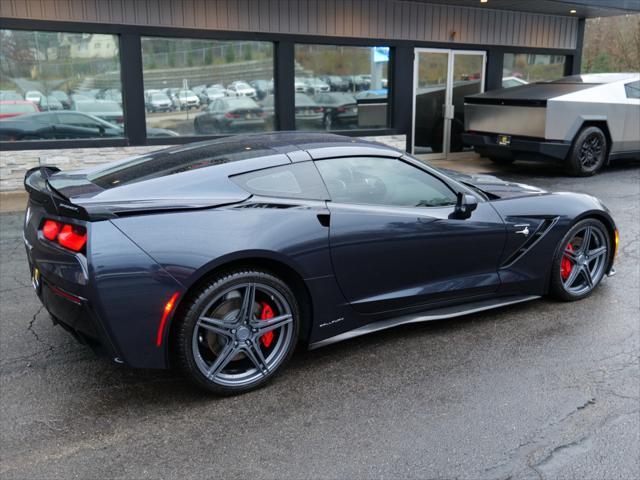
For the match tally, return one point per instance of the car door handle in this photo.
(522, 229)
(324, 219)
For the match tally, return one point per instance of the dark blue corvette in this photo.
(221, 256)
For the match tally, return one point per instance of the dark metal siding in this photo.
(375, 19)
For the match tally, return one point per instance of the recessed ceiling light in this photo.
(573, 11)
(484, 1)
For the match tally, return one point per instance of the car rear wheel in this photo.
(588, 153)
(581, 260)
(238, 331)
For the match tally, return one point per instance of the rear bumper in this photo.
(75, 315)
(110, 298)
(487, 142)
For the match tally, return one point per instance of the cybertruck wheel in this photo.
(238, 331)
(580, 261)
(588, 153)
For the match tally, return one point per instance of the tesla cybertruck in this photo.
(583, 121)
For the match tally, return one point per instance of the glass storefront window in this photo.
(522, 68)
(341, 87)
(58, 85)
(207, 87)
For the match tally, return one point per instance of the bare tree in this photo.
(612, 44)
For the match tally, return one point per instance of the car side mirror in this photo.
(465, 204)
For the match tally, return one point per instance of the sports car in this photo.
(219, 257)
(583, 121)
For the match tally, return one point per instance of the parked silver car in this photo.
(585, 121)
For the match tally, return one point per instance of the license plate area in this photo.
(504, 140)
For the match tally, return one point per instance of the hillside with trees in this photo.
(612, 44)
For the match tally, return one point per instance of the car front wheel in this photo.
(580, 261)
(238, 331)
(588, 153)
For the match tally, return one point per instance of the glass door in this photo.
(442, 78)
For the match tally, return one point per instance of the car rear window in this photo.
(98, 107)
(172, 161)
(241, 102)
(298, 180)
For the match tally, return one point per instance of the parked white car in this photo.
(242, 89)
(33, 96)
(187, 99)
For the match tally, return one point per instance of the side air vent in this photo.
(542, 229)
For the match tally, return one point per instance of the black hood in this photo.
(494, 185)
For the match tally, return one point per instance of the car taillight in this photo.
(231, 115)
(73, 237)
(318, 109)
(50, 229)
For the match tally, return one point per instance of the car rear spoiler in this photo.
(36, 183)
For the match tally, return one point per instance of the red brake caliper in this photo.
(266, 314)
(565, 264)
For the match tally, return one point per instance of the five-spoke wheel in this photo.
(238, 331)
(581, 262)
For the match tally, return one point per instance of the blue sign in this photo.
(380, 54)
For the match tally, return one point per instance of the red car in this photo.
(13, 108)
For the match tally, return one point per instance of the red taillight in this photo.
(318, 109)
(231, 115)
(50, 229)
(73, 237)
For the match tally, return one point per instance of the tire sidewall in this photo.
(557, 289)
(194, 307)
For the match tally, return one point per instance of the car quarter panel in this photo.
(191, 244)
(129, 293)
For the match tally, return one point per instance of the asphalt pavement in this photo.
(537, 390)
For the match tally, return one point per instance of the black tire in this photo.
(559, 277)
(216, 296)
(588, 153)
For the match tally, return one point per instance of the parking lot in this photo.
(538, 390)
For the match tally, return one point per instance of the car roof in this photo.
(309, 144)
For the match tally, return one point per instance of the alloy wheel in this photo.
(243, 334)
(584, 260)
(591, 151)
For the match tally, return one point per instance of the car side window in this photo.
(383, 181)
(632, 89)
(297, 180)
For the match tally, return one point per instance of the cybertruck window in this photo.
(632, 89)
(383, 181)
(298, 180)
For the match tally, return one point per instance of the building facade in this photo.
(120, 77)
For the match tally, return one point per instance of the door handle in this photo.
(324, 219)
(447, 111)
